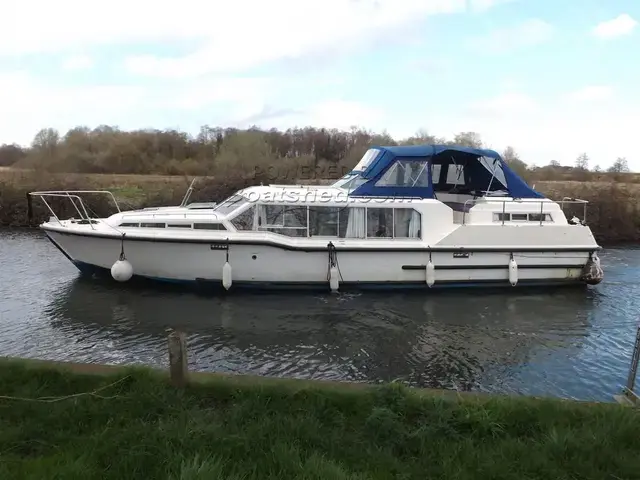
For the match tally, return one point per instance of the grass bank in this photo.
(141, 427)
(613, 213)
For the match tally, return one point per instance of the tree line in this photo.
(222, 151)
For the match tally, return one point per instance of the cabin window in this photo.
(129, 225)
(539, 217)
(522, 217)
(178, 225)
(152, 225)
(406, 223)
(435, 173)
(209, 226)
(245, 220)
(325, 221)
(379, 222)
(283, 219)
(406, 173)
(455, 174)
(231, 204)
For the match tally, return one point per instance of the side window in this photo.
(435, 173)
(244, 221)
(455, 175)
(379, 222)
(352, 222)
(537, 217)
(273, 216)
(283, 219)
(324, 221)
(406, 173)
(418, 173)
(406, 223)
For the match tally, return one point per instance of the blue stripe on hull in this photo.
(88, 269)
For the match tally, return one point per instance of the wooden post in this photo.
(635, 359)
(629, 396)
(178, 358)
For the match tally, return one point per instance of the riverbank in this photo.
(613, 212)
(130, 423)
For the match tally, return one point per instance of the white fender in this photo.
(431, 273)
(226, 276)
(513, 272)
(122, 271)
(334, 282)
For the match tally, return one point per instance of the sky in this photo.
(553, 79)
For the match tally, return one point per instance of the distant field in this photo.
(153, 183)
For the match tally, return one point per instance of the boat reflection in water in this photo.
(451, 340)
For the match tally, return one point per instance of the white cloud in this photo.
(345, 114)
(29, 105)
(505, 104)
(77, 62)
(327, 113)
(288, 29)
(483, 5)
(528, 33)
(551, 131)
(196, 94)
(592, 93)
(621, 25)
(231, 34)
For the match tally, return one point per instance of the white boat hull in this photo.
(261, 263)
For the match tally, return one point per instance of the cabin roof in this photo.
(484, 170)
(432, 150)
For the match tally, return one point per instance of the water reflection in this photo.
(449, 340)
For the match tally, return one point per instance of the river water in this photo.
(572, 343)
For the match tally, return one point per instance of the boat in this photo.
(420, 216)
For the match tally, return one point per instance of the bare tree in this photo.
(619, 166)
(582, 162)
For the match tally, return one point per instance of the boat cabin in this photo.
(450, 174)
(387, 195)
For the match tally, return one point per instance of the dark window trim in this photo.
(216, 226)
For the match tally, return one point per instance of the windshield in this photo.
(354, 183)
(231, 204)
(366, 160)
(350, 181)
(341, 181)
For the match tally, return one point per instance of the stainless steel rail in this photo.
(76, 201)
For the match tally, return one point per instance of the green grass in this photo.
(141, 427)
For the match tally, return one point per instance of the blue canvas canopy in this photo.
(424, 170)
